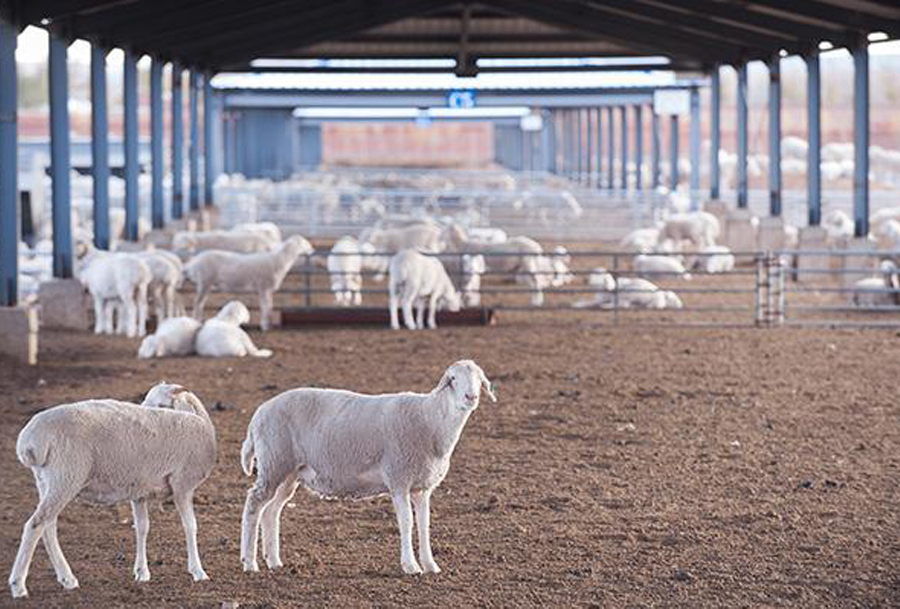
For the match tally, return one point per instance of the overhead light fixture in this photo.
(878, 36)
(825, 46)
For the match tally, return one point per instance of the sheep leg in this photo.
(265, 310)
(407, 305)
(420, 313)
(184, 503)
(141, 528)
(158, 302)
(393, 303)
(49, 507)
(141, 308)
(251, 349)
(357, 290)
(200, 301)
(271, 522)
(258, 498)
(131, 321)
(61, 566)
(405, 524)
(99, 319)
(422, 503)
(170, 295)
(432, 311)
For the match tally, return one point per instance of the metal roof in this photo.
(229, 34)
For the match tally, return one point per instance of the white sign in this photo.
(531, 122)
(672, 101)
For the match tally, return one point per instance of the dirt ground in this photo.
(621, 467)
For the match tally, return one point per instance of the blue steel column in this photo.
(194, 144)
(546, 141)
(100, 147)
(156, 144)
(550, 131)
(673, 152)
(589, 147)
(209, 117)
(638, 146)
(177, 144)
(654, 148)
(611, 148)
(623, 111)
(599, 138)
(742, 194)
(694, 144)
(774, 66)
(814, 134)
(861, 138)
(579, 144)
(715, 137)
(59, 158)
(132, 211)
(9, 195)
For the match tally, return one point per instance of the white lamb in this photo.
(838, 226)
(112, 279)
(108, 451)
(415, 277)
(877, 291)
(425, 236)
(641, 241)
(626, 293)
(345, 265)
(167, 270)
(222, 335)
(340, 444)
(663, 266)
(465, 272)
(231, 241)
(268, 229)
(173, 337)
(262, 273)
(699, 228)
(719, 259)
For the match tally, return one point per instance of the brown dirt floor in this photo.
(621, 467)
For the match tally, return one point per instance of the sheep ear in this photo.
(488, 386)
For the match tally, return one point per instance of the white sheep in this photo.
(465, 272)
(664, 266)
(877, 291)
(640, 241)
(626, 293)
(268, 229)
(838, 226)
(415, 277)
(699, 228)
(345, 265)
(261, 272)
(425, 236)
(719, 259)
(174, 336)
(113, 278)
(108, 451)
(166, 269)
(231, 241)
(340, 444)
(222, 335)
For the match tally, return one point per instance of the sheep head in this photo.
(235, 312)
(465, 379)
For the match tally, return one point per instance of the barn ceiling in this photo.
(229, 34)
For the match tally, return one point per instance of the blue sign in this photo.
(461, 99)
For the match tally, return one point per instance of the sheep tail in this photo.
(33, 452)
(248, 454)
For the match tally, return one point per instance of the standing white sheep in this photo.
(116, 278)
(108, 451)
(340, 444)
(260, 272)
(222, 336)
(345, 264)
(413, 278)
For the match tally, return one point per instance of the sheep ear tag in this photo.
(489, 388)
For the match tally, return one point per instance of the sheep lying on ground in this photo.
(719, 260)
(413, 278)
(222, 336)
(173, 337)
(113, 279)
(261, 273)
(663, 266)
(341, 444)
(627, 293)
(109, 451)
(874, 291)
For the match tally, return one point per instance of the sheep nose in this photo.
(470, 397)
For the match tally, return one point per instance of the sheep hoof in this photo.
(431, 567)
(199, 575)
(142, 574)
(69, 582)
(411, 568)
(251, 566)
(18, 589)
(275, 563)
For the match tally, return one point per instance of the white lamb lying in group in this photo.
(627, 293)
(661, 265)
(173, 337)
(107, 451)
(222, 335)
(341, 444)
(415, 277)
(877, 291)
(719, 259)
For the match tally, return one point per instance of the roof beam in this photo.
(35, 12)
(630, 33)
(830, 14)
(632, 67)
(349, 17)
